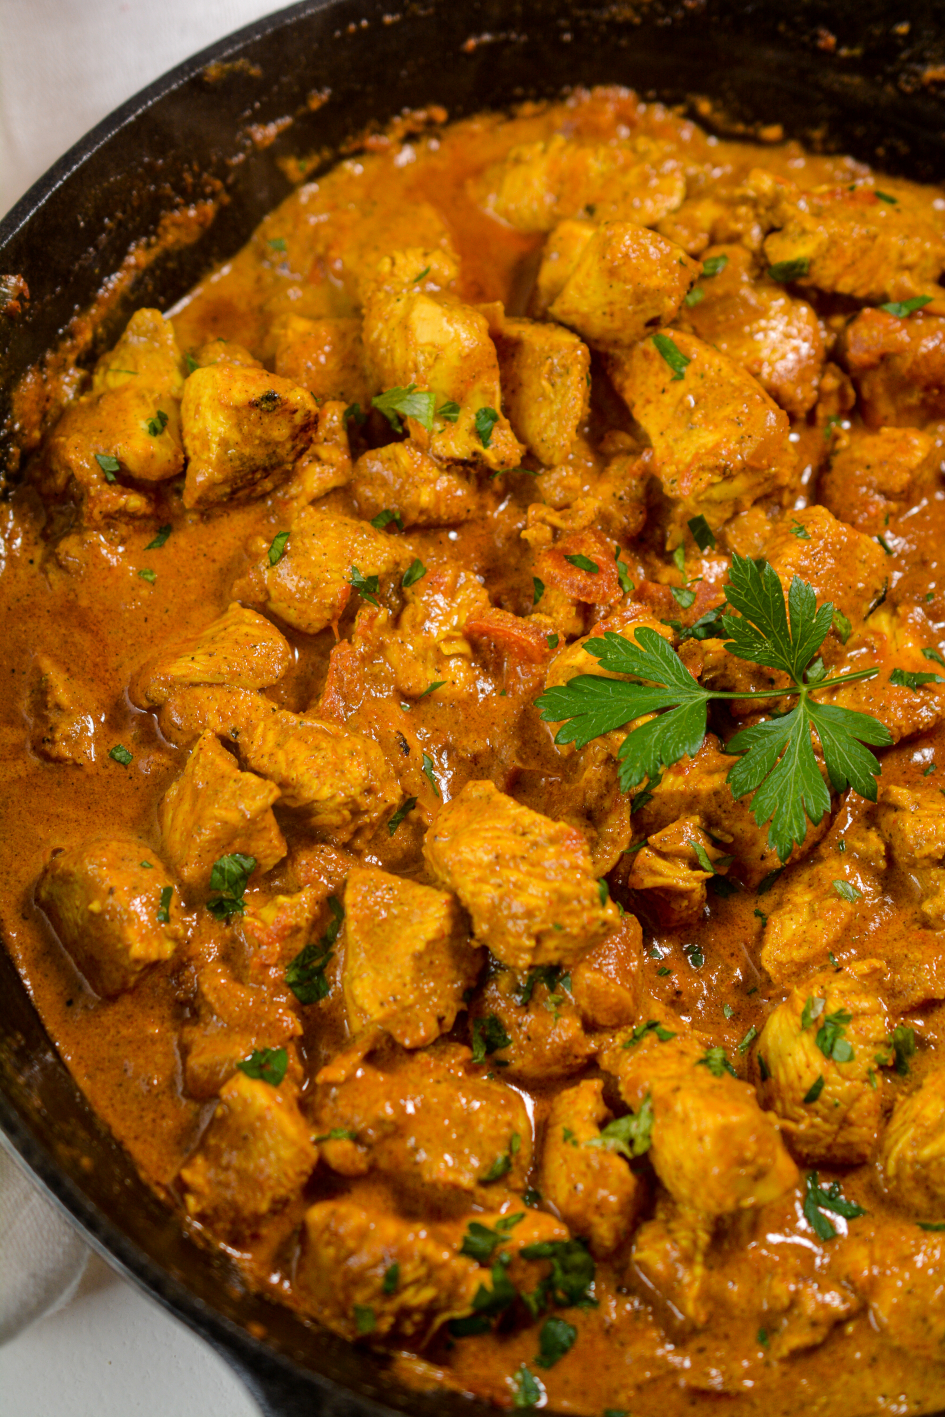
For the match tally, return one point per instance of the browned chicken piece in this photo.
(713, 1147)
(244, 429)
(719, 442)
(559, 256)
(898, 366)
(408, 960)
(415, 338)
(753, 320)
(545, 385)
(192, 709)
(606, 982)
(625, 279)
(527, 881)
(239, 648)
(62, 726)
(901, 1272)
(670, 1253)
(340, 781)
(255, 1156)
(430, 644)
(114, 914)
(350, 1248)
(819, 1049)
(324, 356)
(850, 242)
(912, 822)
(842, 565)
(147, 351)
(402, 478)
(325, 464)
(276, 928)
(912, 1154)
(869, 479)
(311, 583)
(213, 810)
(583, 1174)
(222, 351)
(894, 638)
(232, 1020)
(670, 872)
(530, 1026)
(537, 184)
(441, 1133)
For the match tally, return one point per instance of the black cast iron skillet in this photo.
(861, 76)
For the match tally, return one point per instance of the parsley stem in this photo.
(803, 689)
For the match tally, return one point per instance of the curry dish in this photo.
(474, 825)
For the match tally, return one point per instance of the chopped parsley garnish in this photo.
(277, 243)
(785, 271)
(366, 586)
(414, 572)
(777, 764)
(584, 563)
(694, 296)
(683, 596)
(905, 679)
(902, 308)
(623, 575)
(694, 955)
(702, 856)
(715, 1060)
(191, 363)
(885, 197)
(486, 419)
(108, 464)
(449, 411)
(385, 518)
(400, 815)
(532, 1198)
(305, 974)
(538, 589)
(527, 1390)
(148, 865)
(353, 411)
(148, 575)
(813, 1008)
(817, 1199)
(841, 626)
(885, 545)
(428, 774)
(552, 641)
(902, 1042)
(479, 1241)
(499, 1168)
(547, 974)
(815, 1089)
(364, 1320)
(555, 1339)
(714, 265)
(391, 1279)
(488, 1036)
(157, 424)
(630, 1135)
(673, 355)
(120, 754)
(643, 1029)
(935, 655)
(164, 909)
(799, 530)
(748, 1040)
(931, 1224)
(267, 1064)
(701, 532)
(277, 547)
(830, 1039)
(410, 403)
(228, 882)
(163, 532)
(338, 1134)
(847, 892)
(727, 1009)
(570, 1278)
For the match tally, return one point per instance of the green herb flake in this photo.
(486, 419)
(277, 547)
(421, 275)
(391, 1279)
(163, 532)
(642, 1030)
(763, 1337)
(931, 1224)
(846, 891)
(499, 1168)
(555, 1339)
(902, 1042)
(571, 1277)
(527, 1391)
(904, 679)
(228, 881)
(191, 363)
(428, 774)
(903, 308)
(277, 243)
(538, 590)
(584, 563)
(701, 533)
(338, 1134)
(353, 413)
(885, 197)
(934, 655)
(385, 518)
(148, 865)
(663, 971)
(267, 1064)
(830, 1039)
(488, 1036)
(631, 1135)
(108, 464)
(164, 909)
(683, 596)
(366, 586)
(817, 1199)
(305, 974)
(148, 575)
(532, 1198)
(702, 856)
(695, 295)
(784, 271)
(449, 411)
(364, 1320)
(799, 530)
(553, 641)
(814, 1091)
(120, 754)
(727, 1010)
(673, 355)
(414, 572)
(714, 265)
(400, 815)
(748, 1040)
(157, 424)
(715, 1060)
(479, 1242)
(409, 403)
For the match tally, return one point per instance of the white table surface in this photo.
(65, 64)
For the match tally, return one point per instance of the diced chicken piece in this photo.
(851, 242)
(589, 1184)
(114, 915)
(606, 983)
(402, 478)
(670, 1253)
(713, 1147)
(625, 279)
(868, 480)
(558, 259)
(545, 385)
(255, 1156)
(147, 351)
(670, 875)
(61, 720)
(222, 351)
(913, 824)
(537, 184)
(719, 442)
(422, 1119)
(430, 644)
(912, 1155)
(192, 709)
(325, 464)
(819, 1071)
(527, 881)
(277, 928)
(898, 366)
(232, 1020)
(894, 639)
(243, 431)
(843, 565)
(408, 957)
(901, 1272)
(349, 1250)
(239, 648)
(753, 320)
(440, 346)
(340, 781)
(539, 1017)
(324, 356)
(562, 568)
(310, 585)
(213, 810)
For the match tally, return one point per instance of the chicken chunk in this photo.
(341, 782)
(192, 709)
(559, 257)
(868, 480)
(898, 367)
(912, 1154)
(582, 1175)
(60, 711)
(625, 279)
(324, 356)
(597, 583)
(239, 648)
(669, 874)
(894, 638)
(901, 1272)
(213, 810)
(537, 184)
(441, 1133)
(843, 565)
(819, 1050)
(147, 351)
(408, 958)
(114, 915)
(530, 1025)
(311, 583)
(913, 824)
(719, 442)
(350, 1250)
(243, 430)
(255, 1155)
(527, 881)
(232, 1020)
(753, 320)
(849, 242)
(545, 382)
(412, 338)
(713, 1147)
(402, 478)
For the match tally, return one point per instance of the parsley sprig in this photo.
(776, 763)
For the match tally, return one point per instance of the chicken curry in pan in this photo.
(474, 762)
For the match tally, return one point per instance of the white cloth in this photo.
(41, 1257)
